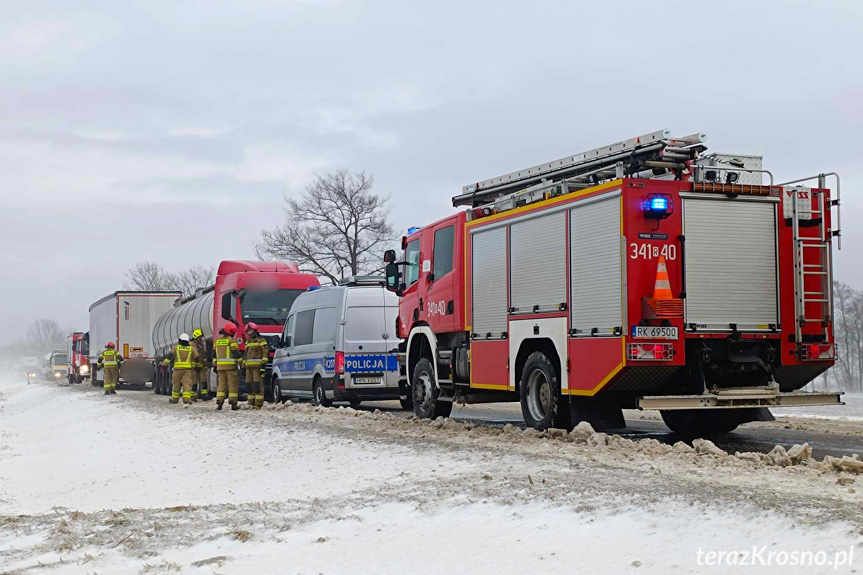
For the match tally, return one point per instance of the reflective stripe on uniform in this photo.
(233, 395)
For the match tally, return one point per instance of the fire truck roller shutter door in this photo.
(595, 266)
(488, 277)
(730, 263)
(537, 256)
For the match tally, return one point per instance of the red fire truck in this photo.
(644, 274)
(78, 356)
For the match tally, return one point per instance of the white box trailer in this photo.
(127, 318)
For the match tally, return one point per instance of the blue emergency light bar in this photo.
(413, 230)
(658, 207)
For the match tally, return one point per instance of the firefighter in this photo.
(184, 357)
(256, 355)
(109, 362)
(226, 355)
(200, 371)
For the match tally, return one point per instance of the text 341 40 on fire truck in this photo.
(644, 274)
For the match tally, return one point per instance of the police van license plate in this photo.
(367, 379)
(654, 332)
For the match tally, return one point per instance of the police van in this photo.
(339, 344)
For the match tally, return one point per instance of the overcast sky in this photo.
(171, 131)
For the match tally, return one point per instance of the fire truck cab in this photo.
(645, 274)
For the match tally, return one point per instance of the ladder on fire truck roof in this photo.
(643, 156)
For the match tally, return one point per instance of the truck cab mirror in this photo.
(394, 277)
(390, 256)
(228, 306)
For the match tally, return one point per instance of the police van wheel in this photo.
(541, 402)
(318, 395)
(426, 392)
(277, 391)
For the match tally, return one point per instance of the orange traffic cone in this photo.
(662, 287)
(663, 303)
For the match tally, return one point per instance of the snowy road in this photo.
(129, 484)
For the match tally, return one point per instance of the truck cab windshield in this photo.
(268, 308)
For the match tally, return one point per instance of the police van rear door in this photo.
(365, 343)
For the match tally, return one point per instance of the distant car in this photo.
(339, 344)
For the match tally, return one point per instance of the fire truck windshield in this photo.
(268, 308)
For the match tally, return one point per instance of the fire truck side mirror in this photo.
(394, 277)
(390, 256)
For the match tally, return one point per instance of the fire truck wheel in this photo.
(694, 423)
(426, 393)
(541, 403)
(318, 395)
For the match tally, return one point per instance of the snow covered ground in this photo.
(128, 484)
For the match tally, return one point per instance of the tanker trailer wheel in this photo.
(542, 405)
(426, 393)
(694, 423)
(319, 397)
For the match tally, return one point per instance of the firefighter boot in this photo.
(107, 392)
(113, 391)
(219, 405)
(234, 407)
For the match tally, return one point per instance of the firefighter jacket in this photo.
(225, 353)
(110, 358)
(183, 356)
(257, 351)
(201, 347)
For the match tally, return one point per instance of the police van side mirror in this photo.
(394, 278)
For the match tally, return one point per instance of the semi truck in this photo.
(245, 292)
(77, 356)
(644, 274)
(127, 318)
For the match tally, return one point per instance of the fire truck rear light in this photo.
(650, 351)
(340, 363)
(818, 351)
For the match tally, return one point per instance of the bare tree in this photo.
(45, 335)
(149, 276)
(848, 333)
(190, 280)
(337, 228)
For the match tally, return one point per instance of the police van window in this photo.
(305, 327)
(289, 326)
(412, 257)
(326, 320)
(443, 251)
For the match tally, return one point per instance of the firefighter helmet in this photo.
(230, 328)
(197, 333)
(252, 327)
(110, 345)
(184, 337)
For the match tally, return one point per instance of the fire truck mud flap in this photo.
(741, 398)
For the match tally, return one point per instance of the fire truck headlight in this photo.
(84, 369)
(57, 374)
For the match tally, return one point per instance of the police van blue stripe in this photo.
(353, 364)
